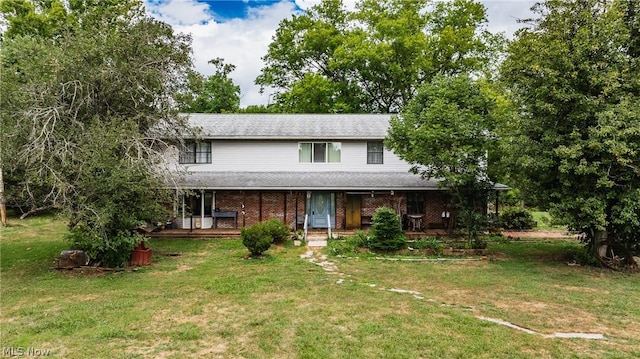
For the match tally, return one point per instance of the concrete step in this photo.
(316, 242)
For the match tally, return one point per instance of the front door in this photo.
(353, 208)
(320, 210)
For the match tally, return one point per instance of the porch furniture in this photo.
(415, 221)
(217, 215)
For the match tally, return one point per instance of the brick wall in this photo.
(260, 206)
(371, 204)
(263, 205)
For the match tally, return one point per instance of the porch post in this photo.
(202, 208)
(183, 210)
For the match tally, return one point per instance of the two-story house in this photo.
(246, 168)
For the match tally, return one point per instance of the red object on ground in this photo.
(141, 256)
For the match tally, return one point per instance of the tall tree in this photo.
(374, 58)
(301, 56)
(211, 94)
(90, 107)
(445, 132)
(576, 78)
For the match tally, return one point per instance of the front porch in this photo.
(221, 233)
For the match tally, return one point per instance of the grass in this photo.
(209, 301)
(544, 221)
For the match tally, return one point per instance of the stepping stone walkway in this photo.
(329, 267)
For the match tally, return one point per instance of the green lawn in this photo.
(209, 301)
(544, 221)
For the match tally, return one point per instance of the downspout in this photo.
(260, 207)
(285, 207)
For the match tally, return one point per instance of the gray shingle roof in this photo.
(291, 126)
(343, 181)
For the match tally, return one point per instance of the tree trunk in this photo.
(598, 237)
(35, 210)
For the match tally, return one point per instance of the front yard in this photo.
(202, 298)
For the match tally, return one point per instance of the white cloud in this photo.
(179, 12)
(503, 15)
(241, 42)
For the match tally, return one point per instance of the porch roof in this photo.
(334, 181)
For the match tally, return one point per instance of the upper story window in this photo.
(375, 151)
(319, 152)
(195, 152)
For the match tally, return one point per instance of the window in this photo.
(195, 152)
(319, 152)
(374, 152)
(193, 203)
(415, 203)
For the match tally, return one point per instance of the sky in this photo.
(239, 31)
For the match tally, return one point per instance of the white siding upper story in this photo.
(276, 156)
(271, 142)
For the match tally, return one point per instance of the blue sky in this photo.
(224, 10)
(239, 31)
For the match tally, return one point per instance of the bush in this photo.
(111, 252)
(350, 245)
(512, 197)
(275, 228)
(517, 218)
(387, 232)
(259, 237)
(431, 243)
(256, 239)
(478, 243)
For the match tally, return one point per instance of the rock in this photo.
(72, 259)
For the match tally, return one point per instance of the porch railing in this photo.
(305, 227)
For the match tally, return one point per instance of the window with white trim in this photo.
(195, 152)
(319, 152)
(375, 152)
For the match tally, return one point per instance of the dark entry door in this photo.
(353, 209)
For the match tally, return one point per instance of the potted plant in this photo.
(141, 255)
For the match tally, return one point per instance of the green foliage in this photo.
(211, 94)
(91, 113)
(431, 243)
(41, 18)
(256, 239)
(583, 256)
(512, 197)
(259, 237)
(349, 246)
(517, 218)
(478, 243)
(330, 59)
(386, 234)
(276, 229)
(445, 132)
(113, 251)
(575, 76)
